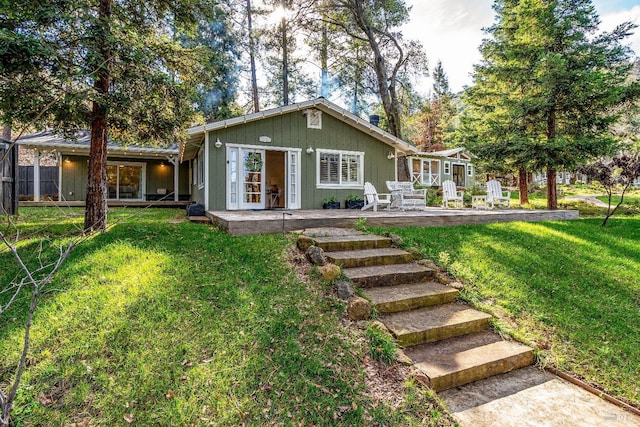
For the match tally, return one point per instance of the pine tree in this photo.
(545, 94)
(116, 68)
(438, 113)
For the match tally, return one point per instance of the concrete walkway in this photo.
(531, 397)
(588, 199)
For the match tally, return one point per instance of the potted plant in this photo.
(353, 202)
(330, 203)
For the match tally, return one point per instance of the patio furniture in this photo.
(479, 202)
(403, 195)
(451, 195)
(372, 198)
(497, 197)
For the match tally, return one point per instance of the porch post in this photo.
(36, 175)
(59, 159)
(206, 170)
(176, 174)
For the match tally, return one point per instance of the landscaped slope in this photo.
(160, 322)
(571, 288)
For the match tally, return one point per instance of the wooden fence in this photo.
(48, 182)
(8, 187)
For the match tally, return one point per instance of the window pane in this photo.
(112, 181)
(350, 168)
(130, 182)
(329, 164)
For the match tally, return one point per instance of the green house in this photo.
(291, 157)
(134, 173)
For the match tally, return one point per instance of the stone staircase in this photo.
(447, 340)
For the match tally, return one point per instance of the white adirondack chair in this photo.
(372, 198)
(497, 197)
(451, 195)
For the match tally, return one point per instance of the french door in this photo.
(246, 178)
(459, 174)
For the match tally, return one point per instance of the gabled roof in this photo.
(196, 134)
(81, 142)
(447, 153)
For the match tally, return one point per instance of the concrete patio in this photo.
(278, 221)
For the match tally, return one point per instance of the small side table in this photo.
(479, 202)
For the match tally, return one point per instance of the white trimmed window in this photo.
(200, 168)
(447, 168)
(340, 169)
(470, 170)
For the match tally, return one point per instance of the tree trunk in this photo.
(552, 196)
(324, 60)
(95, 218)
(523, 185)
(403, 169)
(252, 61)
(285, 63)
(386, 85)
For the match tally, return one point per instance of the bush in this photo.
(382, 346)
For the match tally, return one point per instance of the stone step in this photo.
(200, 219)
(392, 299)
(369, 257)
(462, 360)
(388, 275)
(434, 323)
(350, 243)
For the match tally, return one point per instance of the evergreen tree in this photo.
(438, 114)
(545, 94)
(215, 95)
(117, 68)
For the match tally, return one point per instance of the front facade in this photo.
(293, 157)
(134, 173)
(431, 169)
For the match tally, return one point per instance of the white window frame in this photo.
(469, 169)
(314, 119)
(143, 178)
(357, 186)
(200, 169)
(447, 168)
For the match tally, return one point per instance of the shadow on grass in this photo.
(573, 284)
(179, 323)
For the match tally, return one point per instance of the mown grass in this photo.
(159, 322)
(571, 288)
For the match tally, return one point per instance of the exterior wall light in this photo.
(218, 143)
(391, 155)
(309, 150)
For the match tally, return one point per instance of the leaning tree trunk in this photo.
(523, 186)
(95, 217)
(552, 195)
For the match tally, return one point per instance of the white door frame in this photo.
(292, 189)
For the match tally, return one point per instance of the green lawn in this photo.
(171, 323)
(571, 288)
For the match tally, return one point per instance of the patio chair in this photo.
(372, 198)
(403, 195)
(451, 195)
(497, 197)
